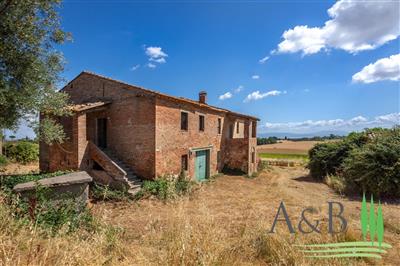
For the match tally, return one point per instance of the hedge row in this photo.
(368, 161)
(22, 151)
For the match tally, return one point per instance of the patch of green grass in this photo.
(10, 181)
(284, 156)
(105, 193)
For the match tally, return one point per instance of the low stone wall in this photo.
(74, 185)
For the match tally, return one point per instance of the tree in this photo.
(30, 66)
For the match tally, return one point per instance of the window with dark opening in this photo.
(184, 121)
(218, 157)
(253, 157)
(253, 129)
(231, 131)
(201, 122)
(237, 128)
(184, 162)
(219, 125)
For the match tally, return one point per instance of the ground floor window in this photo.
(253, 156)
(184, 162)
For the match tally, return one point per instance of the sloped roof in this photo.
(86, 106)
(165, 96)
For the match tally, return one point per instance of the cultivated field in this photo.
(288, 147)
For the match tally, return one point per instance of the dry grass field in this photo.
(20, 169)
(223, 222)
(288, 147)
(226, 223)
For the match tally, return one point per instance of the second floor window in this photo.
(201, 122)
(237, 128)
(219, 125)
(184, 121)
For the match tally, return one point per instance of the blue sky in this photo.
(309, 82)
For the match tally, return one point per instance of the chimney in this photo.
(203, 97)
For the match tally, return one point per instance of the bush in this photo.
(105, 193)
(167, 187)
(375, 167)
(68, 214)
(327, 158)
(22, 151)
(3, 160)
(364, 162)
(9, 182)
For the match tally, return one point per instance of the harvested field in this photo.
(288, 147)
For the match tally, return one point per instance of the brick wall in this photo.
(172, 142)
(145, 132)
(130, 127)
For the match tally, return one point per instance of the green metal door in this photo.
(201, 165)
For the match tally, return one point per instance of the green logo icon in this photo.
(372, 246)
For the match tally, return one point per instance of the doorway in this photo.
(202, 165)
(102, 132)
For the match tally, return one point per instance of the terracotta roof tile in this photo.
(166, 96)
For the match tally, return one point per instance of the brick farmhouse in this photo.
(120, 133)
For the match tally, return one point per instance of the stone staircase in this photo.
(134, 183)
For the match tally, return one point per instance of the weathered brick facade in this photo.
(143, 130)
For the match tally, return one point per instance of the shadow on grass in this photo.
(307, 178)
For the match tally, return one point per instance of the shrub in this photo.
(67, 213)
(9, 182)
(363, 162)
(23, 151)
(3, 160)
(183, 185)
(167, 187)
(375, 167)
(327, 158)
(159, 188)
(105, 193)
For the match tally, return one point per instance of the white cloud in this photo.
(354, 26)
(389, 118)
(383, 69)
(263, 60)
(238, 89)
(135, 67)
(228, 95)
(160, 60)
(225, 96)
(255, 77)
(256, 95)
(155, 52)
(156, 55)
(355, 123)
(151, 65)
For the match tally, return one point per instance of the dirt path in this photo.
(231, 203)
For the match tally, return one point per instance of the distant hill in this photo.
(301, 135)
